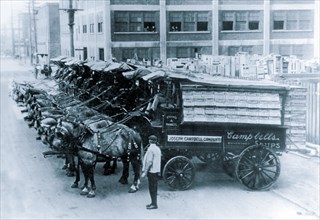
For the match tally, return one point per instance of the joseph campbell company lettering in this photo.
(189, 138)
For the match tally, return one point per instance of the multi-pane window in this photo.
(182, 52)
(188, 21)
(240, 20)
(91, 23)
(100, 22)
(91, 28)
(202, 21)
(100, 26)
(101, 53)
(84, 28)
(292, 20)
(135, 21)
(127, 53)
(135, 24)
(227, 21)
(149, 23)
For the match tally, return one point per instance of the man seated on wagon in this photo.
(160, 99)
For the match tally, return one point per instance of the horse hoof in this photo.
(74, 185)
(91, 195)
(70, 174)
(84, 192)
(122, 181)
(132, 190)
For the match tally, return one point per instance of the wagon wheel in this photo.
(178, 173)
(258, 168)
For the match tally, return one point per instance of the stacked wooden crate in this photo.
(232, 107)
(295, 114)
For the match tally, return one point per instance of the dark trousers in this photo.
(153, 187)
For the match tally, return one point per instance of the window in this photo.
(188, 21)
(149, 26)
(100, 22)
(149, 23)
(84, 28)
(291, 20)
(121, 21)
(278, 25)
(202, 21)
(135, 21)
(227, 21)
(101, 54)
(127, 53)
(85, 53)
(182, 52)
(91, 28)
(135, 24)
(100, 26)
(240, 20)
(175, 26)
(253, 19)
(227, 25)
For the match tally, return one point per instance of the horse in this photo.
(99, 142)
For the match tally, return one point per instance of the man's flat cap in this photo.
(153, 138)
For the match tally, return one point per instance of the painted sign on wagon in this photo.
(269, 139)
(194, 138)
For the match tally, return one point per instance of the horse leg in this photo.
(136, 182)
(71, 166)
(76, 182)
(108, 169)
(85, 188)
(114, 165)
(125, 171)
(65, 166)
(91, 193)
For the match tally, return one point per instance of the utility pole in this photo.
(30, 33)
(12, 33)
(71, 11)
(34, 26)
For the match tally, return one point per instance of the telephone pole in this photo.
(71, 11)
(12, 32)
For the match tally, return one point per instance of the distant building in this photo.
(48, 30)
(153, 30)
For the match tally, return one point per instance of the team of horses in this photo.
(84, 114)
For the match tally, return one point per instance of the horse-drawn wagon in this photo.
(236, 124)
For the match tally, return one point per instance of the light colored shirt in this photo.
(152, 159)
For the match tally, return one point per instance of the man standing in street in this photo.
(151, 168)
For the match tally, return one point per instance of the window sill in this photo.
(246, 31)
(136, 32)
(189, 32)
(282, 31)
